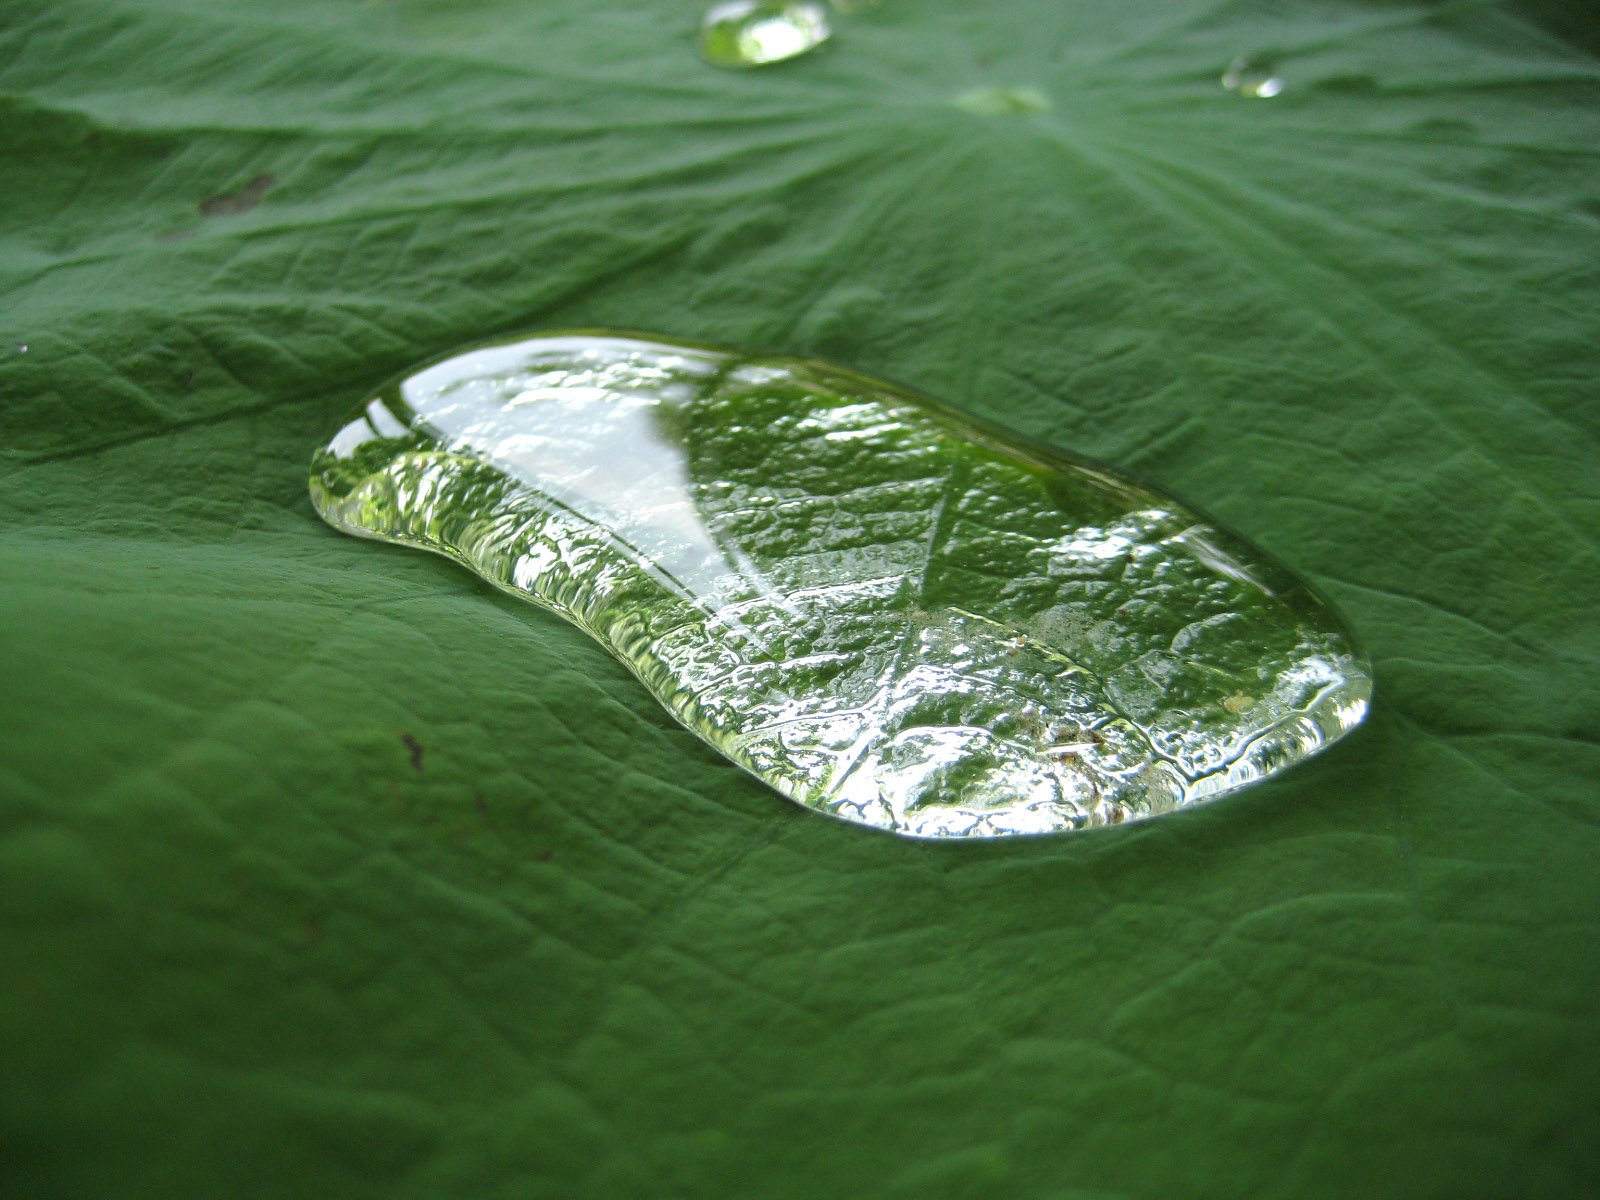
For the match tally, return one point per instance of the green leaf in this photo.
(325, 870)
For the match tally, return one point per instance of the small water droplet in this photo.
(752, 33)
(1251, 76)
(885, 613)
(22, 347)
(1002, 102)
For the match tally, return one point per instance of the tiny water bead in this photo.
(888, 611)
(753, 33)
(1251, 76)
(1002, 102)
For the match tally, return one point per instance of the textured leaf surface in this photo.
(327, 871)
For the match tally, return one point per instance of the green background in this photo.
(256, 942)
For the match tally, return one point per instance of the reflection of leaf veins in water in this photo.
(884, 610)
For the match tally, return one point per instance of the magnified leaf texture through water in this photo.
(883, 609)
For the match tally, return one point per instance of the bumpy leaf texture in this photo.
(327, 871)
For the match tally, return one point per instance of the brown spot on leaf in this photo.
(416, 751)
(240, 200)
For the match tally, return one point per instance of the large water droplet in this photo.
(884, 609)
(1251, 76)
(751, 33)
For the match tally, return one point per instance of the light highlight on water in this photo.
(753, 33)
(1254, 77)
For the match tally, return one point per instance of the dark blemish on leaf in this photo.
(544, 855)
(313, 931)
(231, 204)
(483, 809)
(416, 751)
(188, 378)
(174, 235)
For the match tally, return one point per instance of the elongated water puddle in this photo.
(884, 610)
